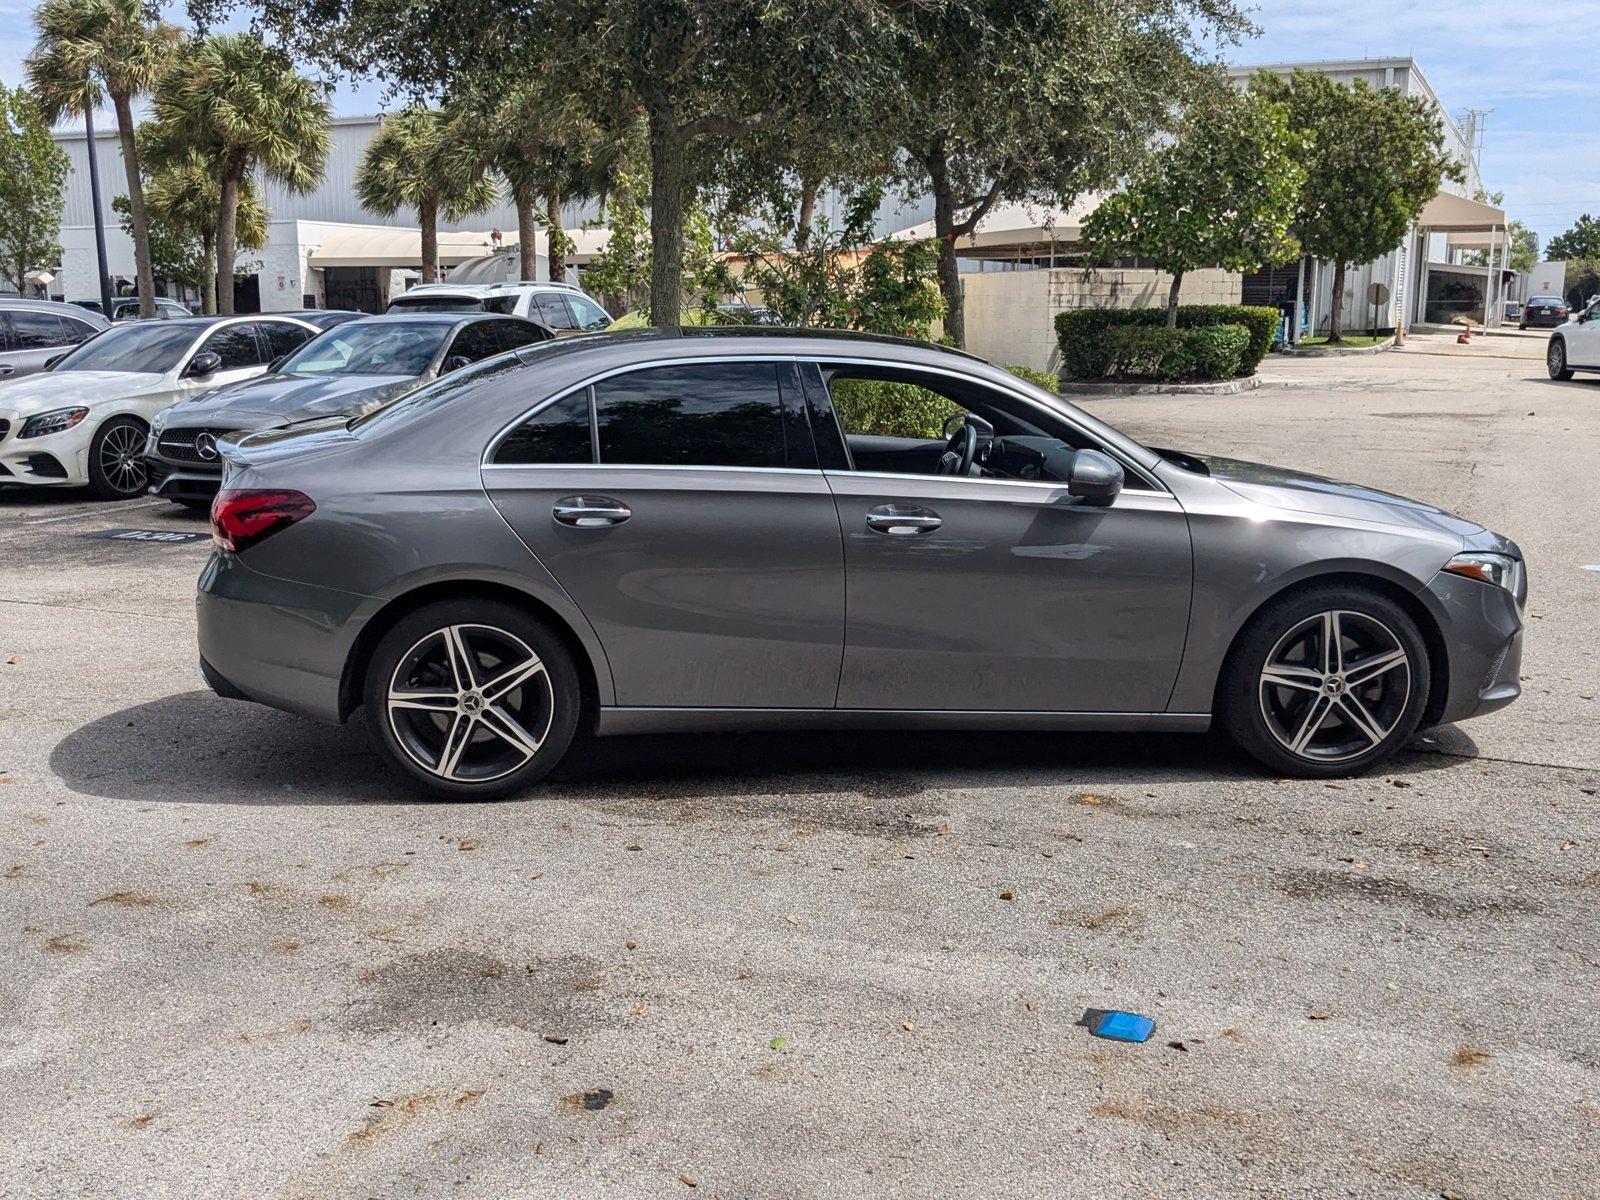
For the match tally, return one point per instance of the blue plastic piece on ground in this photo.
(1118, 1026)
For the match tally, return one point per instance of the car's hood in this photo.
(58, 389)
(273, 400)
(1297, 491)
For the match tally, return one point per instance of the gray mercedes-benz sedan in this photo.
(709, 529)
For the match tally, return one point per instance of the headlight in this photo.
(159, 423)
(1501, 570)
(57, 420)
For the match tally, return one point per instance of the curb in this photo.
(1223, 387)
(1338, 351)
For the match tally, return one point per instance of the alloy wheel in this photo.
(1335, 686)
(1556, 357)
(470, 703)
(121, 459)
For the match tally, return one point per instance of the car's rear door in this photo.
(680, 506)
(1005, 595)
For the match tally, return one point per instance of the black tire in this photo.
(547, 710)
(113, 474)
(1266, 717)
(1523, 325)
(1555, 359)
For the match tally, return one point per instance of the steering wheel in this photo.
(967, 441)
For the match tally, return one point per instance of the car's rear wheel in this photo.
(116, 460)
(472, 699)
(1555, 359)
(1326, 683)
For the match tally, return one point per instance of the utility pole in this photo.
(99, 219)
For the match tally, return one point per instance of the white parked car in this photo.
(1575, 345)
(84, 420)
(564, 307)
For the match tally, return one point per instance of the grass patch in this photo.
(1350, 341)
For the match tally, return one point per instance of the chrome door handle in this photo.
(590, 512)
(902, 520)
(6, 369)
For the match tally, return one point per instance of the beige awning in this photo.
(386, 246)
(1007, 226)
(1449, 213)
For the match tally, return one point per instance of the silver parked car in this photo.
(634, 532)
(32, 332)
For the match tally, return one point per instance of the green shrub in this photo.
(884, 409)
(1082, 334)
(1144, 351)
(1042, 379)
(1216, 351)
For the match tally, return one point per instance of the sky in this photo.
(1533, 65)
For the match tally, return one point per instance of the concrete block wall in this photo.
(1011, 314)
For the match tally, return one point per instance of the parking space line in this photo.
(121, 508)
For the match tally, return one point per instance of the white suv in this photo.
(562, 306)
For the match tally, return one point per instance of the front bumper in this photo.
(181, 481)
(274, 641)
(55, 460)
(1481, 626)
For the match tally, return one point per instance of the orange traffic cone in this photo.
(1464, 338)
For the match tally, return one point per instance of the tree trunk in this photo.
(666, 218)
(527, 238)
(428, 219)
(944, 228)
(557, 236)
(227, 229)
(1172, 299)
(208, 274)
(1336, 314)
(808, 210)
(143, 269)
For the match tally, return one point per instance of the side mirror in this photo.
(1095, 478)
(272, 367)
(203, 364)
(50, 363)
(455, 362)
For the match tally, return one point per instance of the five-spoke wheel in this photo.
(1328, 682)
(475, 698)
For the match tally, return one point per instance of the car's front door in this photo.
(976, 593)
(1583, 339)
(681, 508)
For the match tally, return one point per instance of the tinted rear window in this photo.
(558, 433)
(436, 304)
(708, 415)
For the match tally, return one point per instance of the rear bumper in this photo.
(271, 640)
(1482, 630)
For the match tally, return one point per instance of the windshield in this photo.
(370, 348)
(436, 304)
(152, 347)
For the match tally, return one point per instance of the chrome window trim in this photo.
(1167, 501)
(485, 460)
(654, 467)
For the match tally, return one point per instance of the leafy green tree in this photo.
(33, 187)
(1581, 241)
(241, 104)
(1583, 280)
(622, 271)
(1034, 100)
(92, 49)
(402, 167)
(1221, 195)
(1373, 158)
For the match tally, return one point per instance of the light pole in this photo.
(99, 219)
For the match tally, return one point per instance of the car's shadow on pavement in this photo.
(193, 747)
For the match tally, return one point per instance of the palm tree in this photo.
(543, 147)
(90, 49)
(401, 168)
(241, 104)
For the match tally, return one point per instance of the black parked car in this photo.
(1543, 312)
(347, 370)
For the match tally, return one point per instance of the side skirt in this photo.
(617, 720)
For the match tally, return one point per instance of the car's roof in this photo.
(45, 305)
(484, 289)
(778, 339)
(439, 318)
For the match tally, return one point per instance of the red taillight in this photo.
(240, 519)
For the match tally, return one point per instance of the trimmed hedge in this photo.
(1156, 352)
(1082, 334)
(885, 409)
(1042, 379)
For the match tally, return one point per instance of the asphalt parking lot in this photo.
(240, 961)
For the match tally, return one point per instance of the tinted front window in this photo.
(152, 346)
(436, 304)
(589, 314)
(713, 414)
(284, 338)
(558, 433)
(475, 341)
(38, 331)
(371, 348)
(517, 333)
(235, 345)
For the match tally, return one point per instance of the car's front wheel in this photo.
(1555, 359)
(1326, 683)
(116, 460)
(472, 699)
